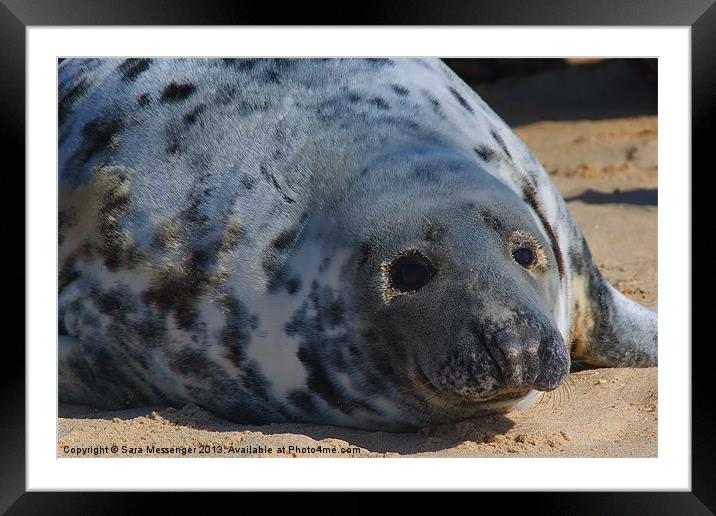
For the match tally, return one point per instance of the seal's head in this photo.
(453, 286)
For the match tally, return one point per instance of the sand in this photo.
(607, 171)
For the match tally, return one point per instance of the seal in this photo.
(352, 242)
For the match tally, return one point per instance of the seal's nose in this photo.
(534, 357)
(554, 363)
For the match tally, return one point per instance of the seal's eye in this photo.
(527, 251)
(525, 256)
(410, 271)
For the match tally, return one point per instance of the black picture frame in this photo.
(17, 15)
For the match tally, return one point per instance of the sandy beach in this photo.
(606, 169)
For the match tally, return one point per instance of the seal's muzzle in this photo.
(507, 362)
(534, 357)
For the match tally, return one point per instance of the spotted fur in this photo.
(225, 228)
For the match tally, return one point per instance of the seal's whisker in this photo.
(415, 387)
(567, 391)
(431, 398)
(546, 397)
(572, 385)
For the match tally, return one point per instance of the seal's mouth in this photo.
(431, 397)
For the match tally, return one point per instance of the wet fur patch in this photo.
(107, 196)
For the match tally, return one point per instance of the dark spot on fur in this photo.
(461, 99)
(323, 352)
(272, 75)
(191, 117)
(293, 285)
(270, 177)
(67, 101)
(354, 98)
(144, 99)
(434, 233)
(176, 290)
(96, 136)
(531, 198)
(501, 143)
(243, 65)
(248, 181)
(150, 329)
(400, 90)
(118, 249)
(318, 380)
(485, 153)
(284, 239)
(117, 302)
(434, 103)
(133, 68)
(491, 221)
(175, 92)
(381, 62)
(274, 255)
(275, 273)
(380, 103)
(236, 333)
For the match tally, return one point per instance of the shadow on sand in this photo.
(445, 437)
(639, 197)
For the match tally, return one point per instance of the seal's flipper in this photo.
(608, 329)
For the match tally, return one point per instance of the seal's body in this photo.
(353, 242)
